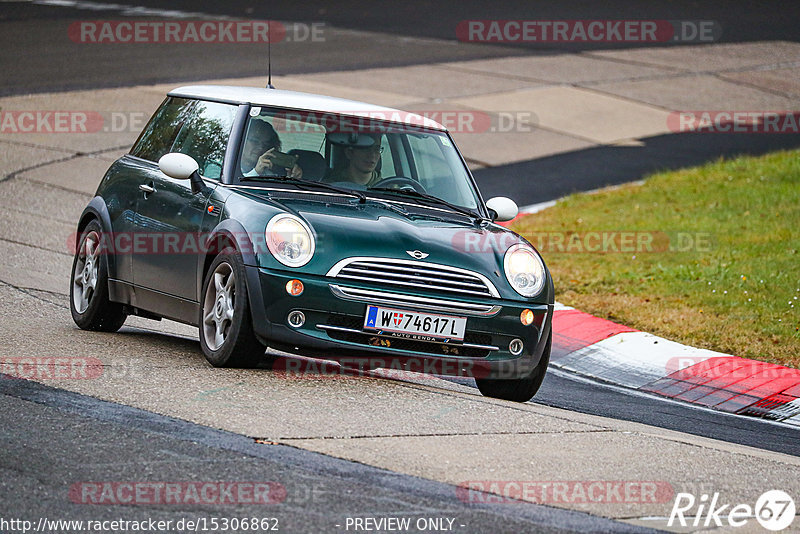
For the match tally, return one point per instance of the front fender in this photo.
(97, 209)
(232, 231)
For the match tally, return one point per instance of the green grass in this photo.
(738, 292)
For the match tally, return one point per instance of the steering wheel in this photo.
(402, 182)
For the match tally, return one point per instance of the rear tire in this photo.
(226, 326)
(519, 389)
(88, 288)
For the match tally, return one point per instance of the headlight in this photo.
(289, 239)
(524, 270)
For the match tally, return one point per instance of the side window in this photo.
(204, 136)
(157, 137)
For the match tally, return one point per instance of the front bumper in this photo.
(334, 313)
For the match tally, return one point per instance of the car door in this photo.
(126, 176)
(169, 215)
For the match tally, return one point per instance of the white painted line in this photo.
(794, 422)
(789, 412)
(534, 208)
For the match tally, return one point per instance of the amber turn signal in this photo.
(526, 317)
(294, 287)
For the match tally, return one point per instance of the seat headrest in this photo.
(312, 163)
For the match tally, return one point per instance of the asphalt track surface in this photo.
(313, 492)
(111, 441)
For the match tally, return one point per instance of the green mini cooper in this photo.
(318, 226)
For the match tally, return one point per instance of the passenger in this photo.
(262, 147)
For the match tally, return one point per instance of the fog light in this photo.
(296, 319)
(294, 288)
(526, 317)
(515, 347)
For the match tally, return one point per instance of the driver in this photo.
(261, 146)
(362, 163)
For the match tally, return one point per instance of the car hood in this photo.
(382, 229)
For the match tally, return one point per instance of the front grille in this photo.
(439, 349)
(415, 275)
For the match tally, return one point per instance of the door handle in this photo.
(147, 188)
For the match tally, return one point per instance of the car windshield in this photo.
(397, 159)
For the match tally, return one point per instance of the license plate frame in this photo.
(412, 325)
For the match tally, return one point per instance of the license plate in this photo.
(414, 325)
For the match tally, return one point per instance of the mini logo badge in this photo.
(417, 254)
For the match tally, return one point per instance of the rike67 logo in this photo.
(774, 510)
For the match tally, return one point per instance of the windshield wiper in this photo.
(424, 196)
(309, 184)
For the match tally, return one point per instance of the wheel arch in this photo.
(98, 211)
(231, 233)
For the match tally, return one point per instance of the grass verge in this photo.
(706, 256)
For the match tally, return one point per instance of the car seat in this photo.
(312, 163)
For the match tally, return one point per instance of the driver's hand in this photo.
(296, 172)
(264, 162)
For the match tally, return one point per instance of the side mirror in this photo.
(182, 167)
(177, 165)
(504, 208)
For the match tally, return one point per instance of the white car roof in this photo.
(259, 96)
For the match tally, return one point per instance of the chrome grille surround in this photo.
(418, 275)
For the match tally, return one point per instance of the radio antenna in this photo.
(269, 57)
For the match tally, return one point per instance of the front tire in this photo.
(88, 293)
(519, 389)
(226, 326)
